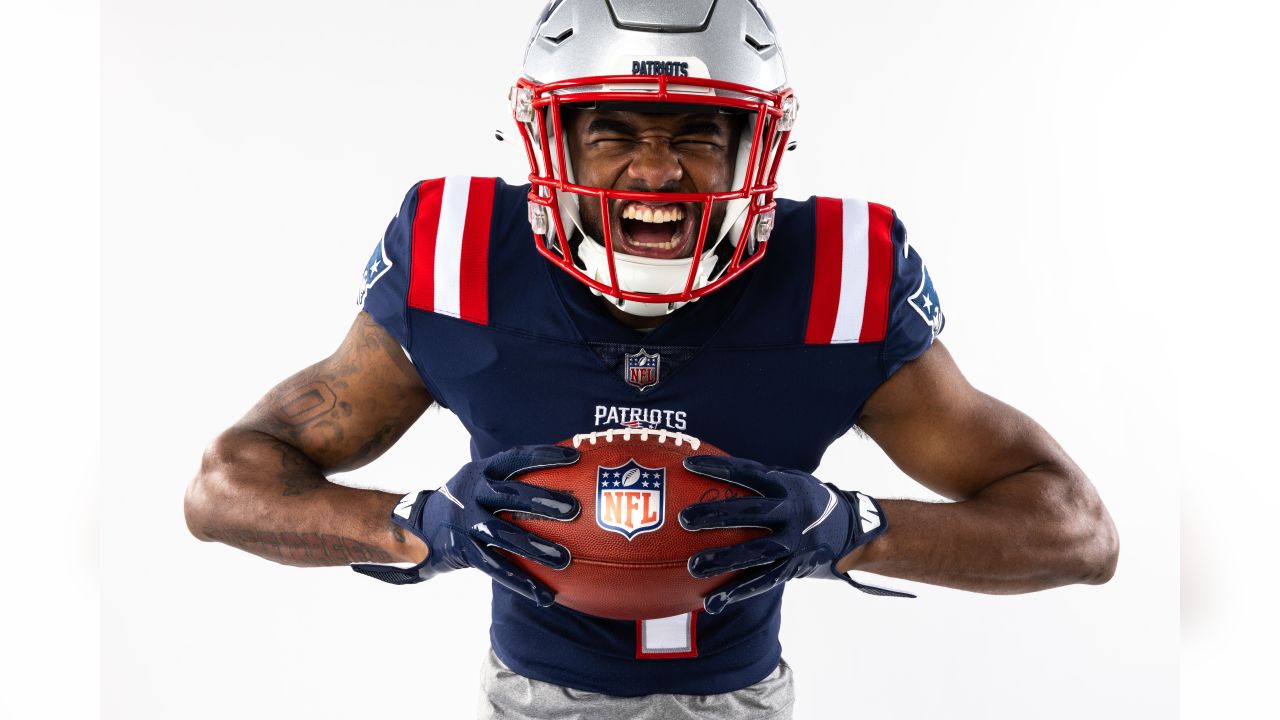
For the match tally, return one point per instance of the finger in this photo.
(505, 573)
(723, 466)
(509, 537)
(516, 496)
(740, 471)
(524, 458)
(750, 553)
(734, 512)
(757, 584)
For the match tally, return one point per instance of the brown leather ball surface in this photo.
(629, 553)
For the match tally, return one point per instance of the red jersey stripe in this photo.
(825, 298)
(473, 270)
(426, 222)
(875, 315)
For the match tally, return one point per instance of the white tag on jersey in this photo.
(666, 636)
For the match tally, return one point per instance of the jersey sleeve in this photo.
(385, 287)
(915, 314)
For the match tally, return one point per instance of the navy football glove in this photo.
(813, 525)
(458, 523)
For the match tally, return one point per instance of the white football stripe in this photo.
(853, 273)
(448, 261)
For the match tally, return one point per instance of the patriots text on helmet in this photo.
(660, 67)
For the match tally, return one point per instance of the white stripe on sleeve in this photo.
(853, 273)
(448, 261)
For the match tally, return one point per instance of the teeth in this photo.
(650, 214)
(646, 213)
(675, 239)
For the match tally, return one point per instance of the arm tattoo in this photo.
(305, 404)
(376, 337)
(376, 444)
(344, 411)
(297, 473)
(301, 549)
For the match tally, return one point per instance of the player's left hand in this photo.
(814, 525)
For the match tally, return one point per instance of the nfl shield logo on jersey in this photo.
(630, 498)
(640, 369)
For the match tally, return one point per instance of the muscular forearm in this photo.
(260, 494)
(1031, 531)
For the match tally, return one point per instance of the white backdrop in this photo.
(1082, 178)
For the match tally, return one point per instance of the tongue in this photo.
(643, 232)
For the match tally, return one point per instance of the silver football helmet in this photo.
(722, 54)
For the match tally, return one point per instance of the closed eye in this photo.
(699, 146)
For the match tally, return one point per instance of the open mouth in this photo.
(653, 230)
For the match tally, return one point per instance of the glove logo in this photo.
(630, 498)
(868, 516)
(405, 506)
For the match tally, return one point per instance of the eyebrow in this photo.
(691, 127)
(604, 125)
(700, 127)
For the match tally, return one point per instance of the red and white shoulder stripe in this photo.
(449, 269)
(852, 271)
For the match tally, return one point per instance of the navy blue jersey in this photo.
(774, 366)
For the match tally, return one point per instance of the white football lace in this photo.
(644, 433)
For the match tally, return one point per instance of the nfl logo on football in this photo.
(641, 369)
(630, 498)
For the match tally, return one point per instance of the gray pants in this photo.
(505, 695)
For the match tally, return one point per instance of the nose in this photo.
(655, 166)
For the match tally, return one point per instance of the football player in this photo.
(648, 277)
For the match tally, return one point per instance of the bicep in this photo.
(346, 410)
(949, 436)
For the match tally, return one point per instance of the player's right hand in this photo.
(458, 522)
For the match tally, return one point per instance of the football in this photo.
(629, 553)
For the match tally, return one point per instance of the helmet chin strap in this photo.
(653, 275)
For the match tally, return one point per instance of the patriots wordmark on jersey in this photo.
(640, 418)
(774, 366)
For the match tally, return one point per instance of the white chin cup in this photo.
(642, 274)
